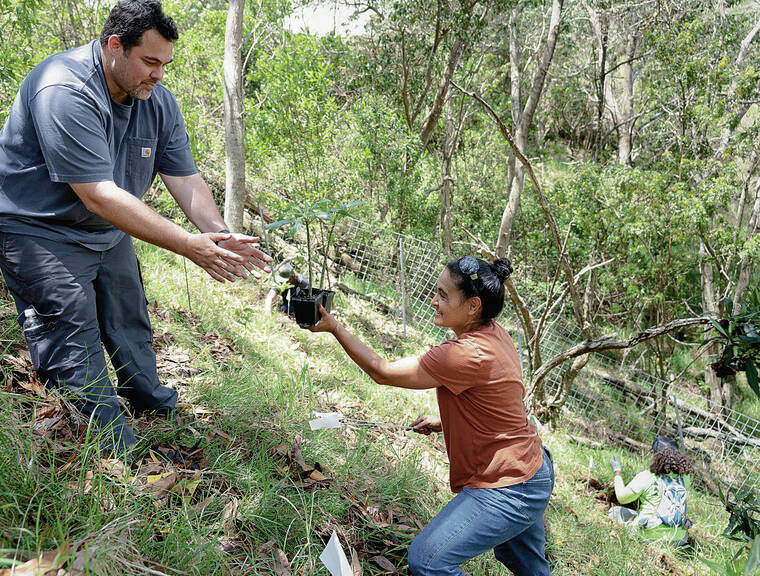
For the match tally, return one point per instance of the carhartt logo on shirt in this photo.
(146, 152)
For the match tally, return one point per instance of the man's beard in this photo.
(140, 93)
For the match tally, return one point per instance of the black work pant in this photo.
(70, 299)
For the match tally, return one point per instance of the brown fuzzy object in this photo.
(670, 460)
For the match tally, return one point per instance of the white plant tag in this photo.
(325, 421)
(334, 558)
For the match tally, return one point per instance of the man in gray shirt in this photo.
(85, 137)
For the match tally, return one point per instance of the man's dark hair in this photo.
(130, 19)
(670, 460)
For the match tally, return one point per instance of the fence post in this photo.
(403, 281)
(678, 421)
(266, 234)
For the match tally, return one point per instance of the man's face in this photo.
(135, 72)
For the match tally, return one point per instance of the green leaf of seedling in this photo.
(752, 567)
(726, 570)
(279, 223)
(320, 205)
(719, 328)
(351, 207)
(751, 372)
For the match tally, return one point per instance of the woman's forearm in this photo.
(401, 373)
(623, 493)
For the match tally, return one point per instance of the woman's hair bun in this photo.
(502, 268)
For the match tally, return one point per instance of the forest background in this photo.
(638, 202)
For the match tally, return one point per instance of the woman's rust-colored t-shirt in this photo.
(489, 440)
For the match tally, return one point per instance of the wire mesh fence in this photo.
(615, 404)
(402, 271)
(609, 401)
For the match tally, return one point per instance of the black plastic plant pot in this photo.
(327, 298)
(306, 309)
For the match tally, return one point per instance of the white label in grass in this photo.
(335, 559)
(325, 421)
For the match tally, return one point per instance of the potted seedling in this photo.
(306, 307)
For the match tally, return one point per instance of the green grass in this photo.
(247, 392)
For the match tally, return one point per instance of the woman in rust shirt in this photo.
(501, 475)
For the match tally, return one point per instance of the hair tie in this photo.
(469, 266)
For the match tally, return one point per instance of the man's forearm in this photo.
(195, 199)
(204, 213)
(132, 215)
(139, 220)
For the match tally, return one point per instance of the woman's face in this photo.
(452, 309)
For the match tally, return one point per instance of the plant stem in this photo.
(308, 255)
(324, 254)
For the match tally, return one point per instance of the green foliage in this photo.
(298, 119)
(195, 76)
(17, 21)
(323, 211)
(642, 220)
(740, 339)
(743, 526)
(744, 508)
(738, 566)
(387, 160)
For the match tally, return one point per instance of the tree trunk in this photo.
(720, 392)
(432, 117)
(625, 130)
(234, 128)
(745, 264)
(517, 180)
(745, 272)
(447, 182)
(731, 105)
(599, 21)
(601, 88)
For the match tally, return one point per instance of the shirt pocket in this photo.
(141, 154)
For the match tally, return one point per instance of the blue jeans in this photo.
(509, 520)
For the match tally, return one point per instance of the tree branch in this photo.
(443, 87)
(563, 260)
(610, 343)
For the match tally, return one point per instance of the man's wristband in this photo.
(222, 231)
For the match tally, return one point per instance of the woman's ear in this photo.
(475, 306)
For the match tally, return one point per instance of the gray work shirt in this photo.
(65, 127)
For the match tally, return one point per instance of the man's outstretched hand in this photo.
(226, 256)
(247, 248)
